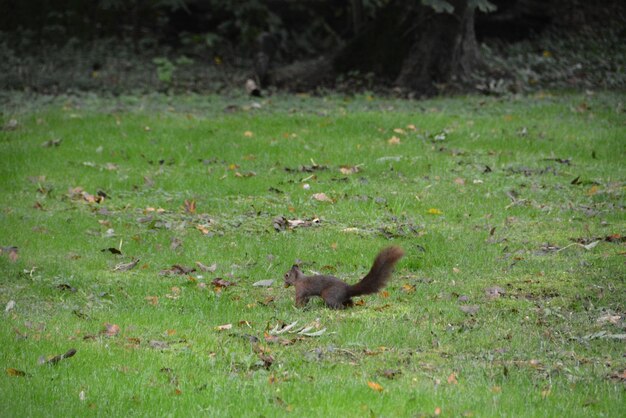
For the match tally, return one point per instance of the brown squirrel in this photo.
(336, 293)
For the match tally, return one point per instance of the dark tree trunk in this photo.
(443, 50)
(408, 44)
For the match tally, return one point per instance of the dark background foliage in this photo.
(117, 45)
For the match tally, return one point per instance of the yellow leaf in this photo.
(375, 386)
(434, 211)
(408, 288)
(248, 134)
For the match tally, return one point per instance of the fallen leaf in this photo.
(126, 266)
(159, 345)
(408, 288)
(190, 206)
(263, 283)
(152, 300)
(437, 411)
(69, 353)
(206, 268)
(248, 134)
(267, 300)
(619, 376)
(111, 330)
(322, 197)
(224, 327)
(203, 228)
(460, 181)
(219, 282)
(177, 269)
(275, 339)
(399, 131)
(613, 319)
(11, 252)
(375, 386)
(15, 372)
(394, 140)
(10, 306)
(347, 169)
(434, 211)
(452, 379)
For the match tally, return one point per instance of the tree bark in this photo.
(408, 44)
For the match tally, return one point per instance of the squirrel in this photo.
(338, 294)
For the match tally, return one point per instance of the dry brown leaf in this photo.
(394, 140)
(322, 197)
(452, 379)
(11, 252)
(190, 206)
(347, 169)
(224, 327)
(206, 268)
(111, 330)
(152, 300)
(126, 266)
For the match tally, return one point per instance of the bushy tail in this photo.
(379, 273)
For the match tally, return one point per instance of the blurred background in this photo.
(411, 48)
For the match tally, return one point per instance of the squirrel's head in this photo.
(292, 275)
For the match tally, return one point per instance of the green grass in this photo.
(544, 348)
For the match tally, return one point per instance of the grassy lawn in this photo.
(510, 300)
